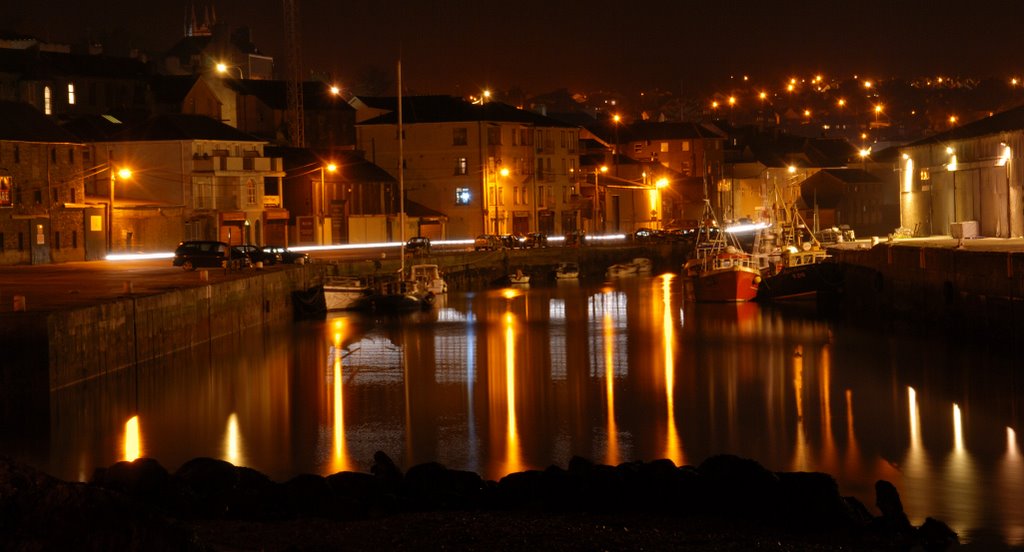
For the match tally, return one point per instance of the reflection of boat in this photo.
(721, 270)
(567, 270)
(389, 296)
(636, 267)
(518, 278)
(429, 276)
(345, 292)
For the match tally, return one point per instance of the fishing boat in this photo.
(721, 271)
(429, 276)
(345, 293)
(794, 264)
(567, 270)
(519, 277)
(637, 267)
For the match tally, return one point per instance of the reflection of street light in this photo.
(502, 172)
(124, 173)
(328, 168)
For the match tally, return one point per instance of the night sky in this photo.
(461, 46)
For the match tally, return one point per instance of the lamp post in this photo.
(597, 193)
(223, 69)
(502, 172)
(331, 168)
(125, 173)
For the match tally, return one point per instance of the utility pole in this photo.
(293, 58)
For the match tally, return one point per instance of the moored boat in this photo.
(730, 275)
(801, 275)
(636, 267)
(567, 270)
(396, 296)
(345, 293)
(519, 277)
(429, 275)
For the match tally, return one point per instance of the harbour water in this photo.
(512, 379)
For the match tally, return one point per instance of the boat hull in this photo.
(726, 285)
(808, 282)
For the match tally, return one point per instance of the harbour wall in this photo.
(965, 291)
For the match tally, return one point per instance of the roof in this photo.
(414, 209)
(273, 93)
(665, 131)
(172, 89)
(353, 167)
(850, 176)
(21, 122)
(1011, 120)
(94, 128)
(449, 109)
(33, 64)
(176, 126)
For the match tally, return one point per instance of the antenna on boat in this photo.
(401, 173)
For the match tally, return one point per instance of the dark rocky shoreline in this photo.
(725, 503)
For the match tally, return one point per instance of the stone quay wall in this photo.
(965, 291)
(90, 342)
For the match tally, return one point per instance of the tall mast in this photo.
(401, 170)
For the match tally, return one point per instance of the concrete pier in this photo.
(977, 289)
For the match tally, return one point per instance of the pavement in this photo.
(64, 286)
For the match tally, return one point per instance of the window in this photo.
(250, 192)
(47, 101)
(21, 241)
(638, 147)
(461, 166)
(540, 167)
(494, 136)
(562, 139)
(686, 145)
(55, 193)
(74, 239)
(37, 196)
(540, 196)
(71, 156)
(56, 240)
(71, 94)
(3, 245)
(6, 198)
(459, 137)
(572, 166)
(462, 196)
(17, 154)
(53, 155)
(526, 195)
(572, 141)
(74, 194)
(664, 147)
(515, 195)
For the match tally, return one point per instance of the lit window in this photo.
(71, 94)
(47, 104)
(250, 192)
(664, 147)
(459, 137)
(461, 166)
(462, 196)
(686, 146)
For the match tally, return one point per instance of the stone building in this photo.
(44, 216)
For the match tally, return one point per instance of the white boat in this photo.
(429, 276)
(567, 271)
(519, 278)
(345, 293)
(636, 267)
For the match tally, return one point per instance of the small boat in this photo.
(721, 271)
(801, 274)
(636, 267)
(730, 275)
(518, 278)
(345, 292)
(430, 277)
(567, 270)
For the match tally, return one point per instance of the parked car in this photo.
(513, 242)
(486, 242)
(536, 239)
(418, 245)
(645, 235)
(194, 254)
(252, 254)
(278, 254)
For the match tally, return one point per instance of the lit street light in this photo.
(223, 69)
(597, 193)
(124, 173)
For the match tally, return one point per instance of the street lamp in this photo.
(223, 68)
(328, 168)
(124, 173)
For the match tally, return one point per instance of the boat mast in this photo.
(401, 173)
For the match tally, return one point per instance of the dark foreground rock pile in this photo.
(210, 504)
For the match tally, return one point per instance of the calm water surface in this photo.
(507, 380)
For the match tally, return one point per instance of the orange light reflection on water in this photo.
(609, 387)
(132, 439)
(673, 445)
(513, 455)
(340, 460)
